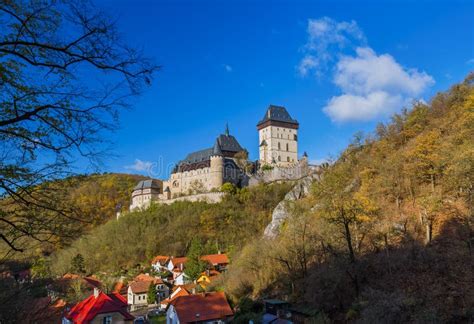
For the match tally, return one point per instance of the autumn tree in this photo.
(65, 75)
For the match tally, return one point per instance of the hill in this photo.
(91, 199)
(387, 235)
(137, 237)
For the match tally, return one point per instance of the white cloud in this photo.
(140, 165)
(227, 67)
(373, 86)
(324, 35)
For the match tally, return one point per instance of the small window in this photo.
(107, 320)
(296, 137)
(287, 159)
(279, 158)
(279, 146)
(287, 147)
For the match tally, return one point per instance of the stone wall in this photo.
(210, 197)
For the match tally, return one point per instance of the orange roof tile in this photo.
(161, 259)
(202, 307)
(216, 258)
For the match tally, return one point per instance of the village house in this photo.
(99, 308)
(137, 293)
(218, 262)
(179, 291)
(207, 277)
(159, 263)
(200, 308)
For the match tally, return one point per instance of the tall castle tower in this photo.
(278, 137)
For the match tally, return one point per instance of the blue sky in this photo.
(338, 67)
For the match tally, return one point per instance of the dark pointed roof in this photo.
(279, 115)
(229, 143)
(216, 150)
(147, 184)
(225, 143)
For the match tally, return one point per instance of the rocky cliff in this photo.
(282, 210)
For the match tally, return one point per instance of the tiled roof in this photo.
(223, 143)
(202, 307)
(140, 287)
(229, 143)
(279, 114)
(216, 258)
(147, 277)
(180, 291)
(86, 310)
(162, 259)
(178, 261)
(148, 184)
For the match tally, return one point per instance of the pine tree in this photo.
(194, 265)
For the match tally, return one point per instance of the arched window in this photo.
(279, 158)
(287, 147)
(279, 146)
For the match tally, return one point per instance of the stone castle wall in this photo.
(294, 171)
(210, 197)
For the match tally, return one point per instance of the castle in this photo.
(206, 170)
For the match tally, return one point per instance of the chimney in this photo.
(96, 292)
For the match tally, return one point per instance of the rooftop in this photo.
(86, 310)
(277, 114)
(202, 307)
(148, 184)
(225, 143)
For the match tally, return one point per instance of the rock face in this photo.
(281, 211)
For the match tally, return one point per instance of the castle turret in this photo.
(216, 171)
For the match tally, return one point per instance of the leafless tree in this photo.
(65, 74)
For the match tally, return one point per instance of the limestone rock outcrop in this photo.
(282, 210)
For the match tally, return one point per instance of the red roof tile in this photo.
(216, 258)
(202, 307)
(86, 310)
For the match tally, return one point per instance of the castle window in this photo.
(287, 148)
(296, 137)
(279, 158)
(279, 146)
(287, 159)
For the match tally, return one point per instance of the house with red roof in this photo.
(217, 261)
(179, 291)
(159, 262)
(200, 308)
(99, 308)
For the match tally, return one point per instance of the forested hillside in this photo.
(168, 230)
(90, 200)
(388, 234)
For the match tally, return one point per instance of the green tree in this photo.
(151, 297)
(194, 265)
(229, 188)
(77, 264)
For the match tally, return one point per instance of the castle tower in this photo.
(216, 171)
(278, 137)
